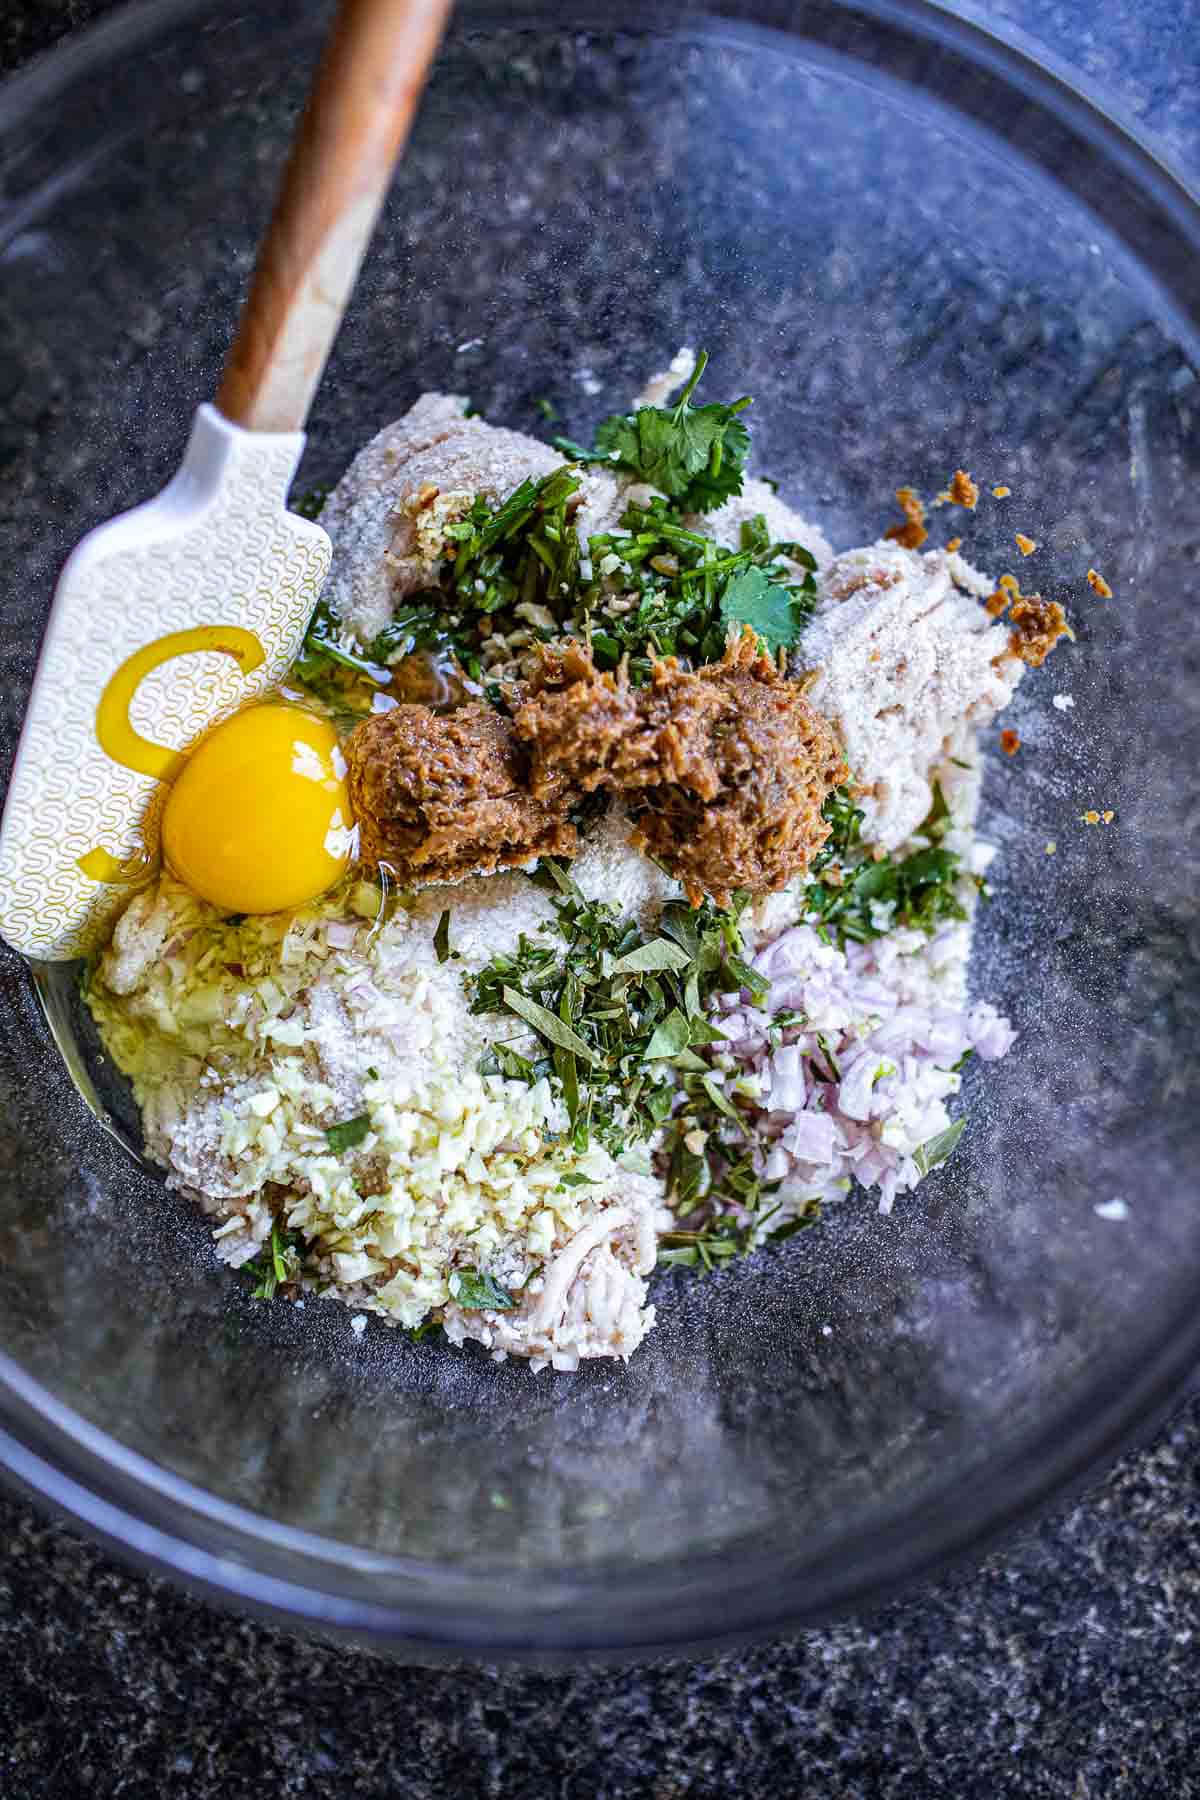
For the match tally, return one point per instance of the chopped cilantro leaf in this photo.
(478, 1292)
(752, 598)
(277, 1262)
(858, 898)
(349, 1134)
(441, 937)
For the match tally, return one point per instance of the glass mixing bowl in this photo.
(918, 251)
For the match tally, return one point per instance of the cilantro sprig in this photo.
(695, 455)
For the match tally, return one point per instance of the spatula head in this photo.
(164, 621)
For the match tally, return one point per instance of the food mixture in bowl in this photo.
(597, 893)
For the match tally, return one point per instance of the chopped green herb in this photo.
(657, 953)
(660, 590)
(669, 1037)
(547, 1024)
(501, 1059)
(635, 1008)
(276, 1263)
(478, 1292)
(427, 1328)
(349, 1134)
(441, 937)
(939, 1148)
(808, 1213)
(845, 822)
(744, 977)
(867, 898)
(334, 671)
(718, 1097)
(714, 1243)
(832, 1072)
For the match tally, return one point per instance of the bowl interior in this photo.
(903, 292)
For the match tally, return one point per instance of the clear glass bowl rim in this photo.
(168, 1525)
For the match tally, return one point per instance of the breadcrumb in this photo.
(963, 491)
(1090, 817)
(1010, 743)
(1026, 545)
(1001, 492)
(1098, 584)
(954, 544)
(912, 534)
(1037, 626)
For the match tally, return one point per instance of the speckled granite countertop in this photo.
(1063, 1669)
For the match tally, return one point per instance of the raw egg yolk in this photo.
(258, 819)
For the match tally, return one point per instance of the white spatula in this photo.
(178, 612)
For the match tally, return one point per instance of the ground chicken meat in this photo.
(388, 514)
(1037, 625)
(441, 796)
(725, 770)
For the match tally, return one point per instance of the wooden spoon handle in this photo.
(358, 116)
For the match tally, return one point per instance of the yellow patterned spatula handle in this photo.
(164, 621)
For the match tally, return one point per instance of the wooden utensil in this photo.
(175, 614)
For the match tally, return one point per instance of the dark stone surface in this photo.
(1063, 1669)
